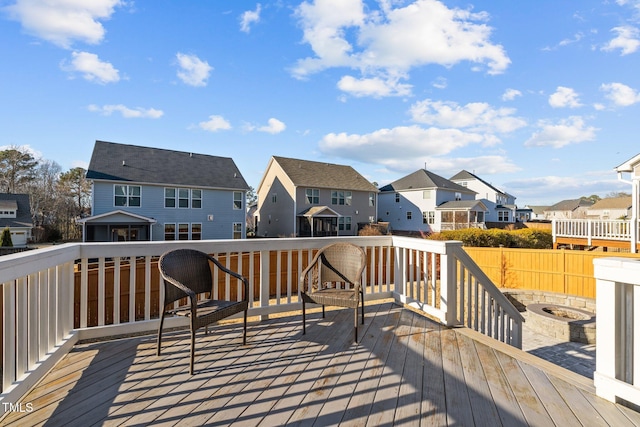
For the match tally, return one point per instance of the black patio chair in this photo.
(188, 273)
(335, 274)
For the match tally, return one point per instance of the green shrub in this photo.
(6, 238)
(475, 237)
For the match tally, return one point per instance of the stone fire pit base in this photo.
(562, 322)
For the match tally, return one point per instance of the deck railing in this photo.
(594, 229)
(617, 376)
(52, 298)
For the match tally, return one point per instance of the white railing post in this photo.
(400, 275)
(449, 284)
(617, 373)
(264, 280)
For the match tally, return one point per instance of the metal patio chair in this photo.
(334, 278)
(188, 273)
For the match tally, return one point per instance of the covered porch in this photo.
(318, 221)
(461, 214)
(117, 226)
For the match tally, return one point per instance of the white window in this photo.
(408, 214)
(196, 231)
(196, 199)
(170, 197)
(127, 195)
(344, 223)
(183, 198)
(341, 198)
(428, 217)
(397, 197)
(183, 231)
(169, 232)
(274, 198)
(426, 194)
(237, 230)
(312, 196)
(458, 196)
(503, 216)
(372, 199)
(237, 200)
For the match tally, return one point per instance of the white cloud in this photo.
(274, 126)
(386, 43)
(126, 112)
(193, 71)
(250, 17)
(375, 87)
(620, 94)
(397, 145)
(564, 97)
(572, 130)
(511, 94)
(627, 40)
(476, 116)
(92, 68)
(215, 123)
(64, 21)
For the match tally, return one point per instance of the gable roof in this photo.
(462, 205)
(23, 213)
(570, 205)
(629, 164)
(131, 163)
(466, 175)
(308, 173)
(613, 203)
(423, 179)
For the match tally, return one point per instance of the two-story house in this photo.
(568, 209)
(15, 213)
(501, 205)
(425, 201)
(142, 193)
(302, 198)
(611, 208)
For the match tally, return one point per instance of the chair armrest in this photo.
(305, 272)
(245, 281)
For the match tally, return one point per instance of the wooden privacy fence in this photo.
(562, 271)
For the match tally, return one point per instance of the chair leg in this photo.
(304, 318)
(355, 324)
(323, 311)
(193, 348)
(362, 308)
(160, 334)
(244, 332)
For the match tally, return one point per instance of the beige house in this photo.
(568, 209)
(611, 208)
(302, 198)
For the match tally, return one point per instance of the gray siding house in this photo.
(501, 206)
(301, 198)
(15, 213)
(142, 193)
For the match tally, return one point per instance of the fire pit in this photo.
(562, 322)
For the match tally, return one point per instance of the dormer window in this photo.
(8, 209)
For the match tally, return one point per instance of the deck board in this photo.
(406, 370)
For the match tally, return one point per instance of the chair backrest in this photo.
(341, 262)
(186, 266)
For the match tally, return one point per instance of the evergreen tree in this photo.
(6, 238)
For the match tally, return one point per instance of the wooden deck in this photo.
(407, 370)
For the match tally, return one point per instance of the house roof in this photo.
(23, 213)
(107, 216)
(122, 162)
(308, 173)
(424, 179)
(570, 205)
(466, 175)
(462, 205)
(629, 164)
(538, 210)
(317, 211)
(613, 203)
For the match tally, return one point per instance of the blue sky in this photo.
(540, 98)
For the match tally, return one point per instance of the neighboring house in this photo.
(15, 213)
(301, 198)
(568, 209)
(141, 193)
(537, 212)
(424, 201)
(501, 205)
(611, 208)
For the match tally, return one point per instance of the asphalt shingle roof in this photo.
(422, 179)
(613, 203)
(465, 175)
(122, 162)
(306, 173)
(23, 214)
(570, 205)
